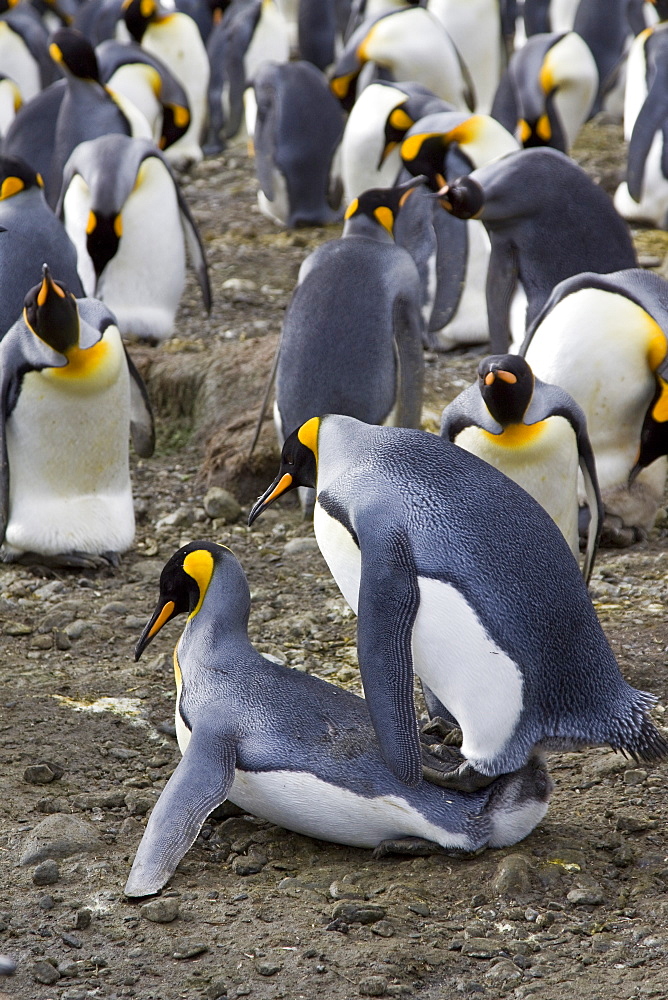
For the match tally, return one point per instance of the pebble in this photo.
(42, 773)
(482, 947)
(268, 968)
(220, 503)
(635, 823)
(82, 919)
(585, 897)
(190, 949)
(383, 928)
(372, 986)
(249, 864)
(17, 628)
(139, 804)
(59, 836)
(71, 941)
(68, 969)
(161, 911)
(296, 546)
(512, 876)
(114, 608)
(607, 764)
(503, 971)
(44, 972)
(61, 639)
(50, 589)
(216, 990)
(46, 873)
(635, 776)
(356, 913)
(46, 902)
(344, 890)
(77, 628)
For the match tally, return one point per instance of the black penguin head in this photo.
(397, 124)
(51, 312)
(424, 153)
(175, 122)
(299, 465)
(661, 7)
(654, 433)
(184, 582)
(16, 176)
(103, 235)
(137, 15)
(381, 205)
(74, 54)
(464, 198)
(506, 385)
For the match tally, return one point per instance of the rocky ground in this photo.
(87, 739)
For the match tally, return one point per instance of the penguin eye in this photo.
(290, 459)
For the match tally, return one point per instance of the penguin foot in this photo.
(414, 847)
(464, 778)
(69, 560)
(617, 535)
(445, 732)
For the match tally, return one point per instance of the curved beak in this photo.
(282, 483)
(165, 611)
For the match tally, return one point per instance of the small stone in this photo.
(338, 925)
(50, 589)
(383, 928)
(359, 913)
(17, 628)
(344, 890)
(635, 823)
(191, 950)
(421, 909)
(482, 947)
(44, 972)
(635, 776)
(268, 968)
(46, 873)
(216, 990)
(585, 897)
(68, 969)
(138, 804)
(114, 608)
(296, 546)
(607, 764)
(42, 642)
(372, 986)
(161, 911)
(71, 941)
(249, 864)
(221, 504)
(503, 971)
(61, 639)
(82, 919)
(512, 878)
(59, 836)
(46, 902)
(42, 773)
(77, 628)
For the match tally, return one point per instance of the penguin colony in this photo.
(439, 135)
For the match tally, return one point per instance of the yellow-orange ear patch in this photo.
(199, 565)
(308, 434)
(385, 216)
(352, 208)
(10, 187)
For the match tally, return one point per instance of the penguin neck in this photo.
(225, 609)
(362, 225)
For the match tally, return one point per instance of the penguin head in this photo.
(424, 153)
(184, 582)
(299, 466)
(380, 206)
(16, 176)
(397, 124)
(137, 15)
(51, 312)
(506, 385)
(175, 122)
(74, 54)
(103, 235)
(464, 198)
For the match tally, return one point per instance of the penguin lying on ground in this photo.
(30, 233)
(547, 220)
(536, 434)
(459, 575)
(290, 747)
(297, 132)
(352, 334)
(130, 223)
(70, 398)
(603, 338)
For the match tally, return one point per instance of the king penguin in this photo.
(290, 747)
(520, 198)
(30, 232)
(475, 28)
(536, 434)
(602, 338)
(24, 50)
(458, 575)
(297, 133)
(130, 223)
(548, 91)
(352, 334)
(70, 399)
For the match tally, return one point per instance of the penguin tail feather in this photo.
(638, 736)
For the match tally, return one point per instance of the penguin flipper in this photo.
(650, 119)
(452, 240)
(265, 132)
(195, 248)
(388, 602)
(201, 782)
(467, 410)
(502, 279)
(408, 334)
(142, 427)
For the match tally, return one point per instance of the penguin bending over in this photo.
(289, 746)
(130, 223)
(70, 398)
(352, 334)
(498, 624)
(297, 132)
(536, 434)
(546, 220)
(603, 338)
(29, 233)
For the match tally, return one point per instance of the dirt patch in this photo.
(581, 902)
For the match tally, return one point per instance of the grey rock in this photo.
(77, 628)
(82, 919)
(268, 968)
(216, 990)
(44, 972)
(372, 986)
(296, 546)
(68, 969)
(46, 873)
(190, 949)
(42, 773)
(161, 911)
(249, 864)
(17, 628)
(482, 947)
(71, 941)
(503, 972)
(383, 928)
(50, 589)
(114, 608)
(358, 913)
(512, 877)
(59, 836)
(61, 639)
(635, 776)
(139, 803)
(344, 890)
(635, 823)
(46, 902)
(590, 896)
(606, 764)
(219, 503)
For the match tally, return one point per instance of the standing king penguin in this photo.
(536, 434)
(458, 575)
(290, 747)
(70, 398)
